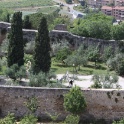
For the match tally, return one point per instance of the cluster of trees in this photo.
(5, 15)
(42, 59)
(98, 26)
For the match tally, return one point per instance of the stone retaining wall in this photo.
(101, 104)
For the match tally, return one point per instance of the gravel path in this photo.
(86, 81)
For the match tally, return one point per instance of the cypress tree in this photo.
(16, 47)
(42, 59)
(27, 23)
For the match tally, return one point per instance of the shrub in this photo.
(72, 119)
(74, 101)
(119, 122)
(9, 119)
(29, 119)
(15, 72)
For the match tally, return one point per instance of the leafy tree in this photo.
(105, 81)
(16, 47)
(74, 101)
(117, 63)
(42, 59)
(26, 23)
(62, 54)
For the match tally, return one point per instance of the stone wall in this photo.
(101, 104)
(61, 34)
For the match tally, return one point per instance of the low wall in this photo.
(101, 104)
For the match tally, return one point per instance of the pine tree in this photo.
(42, 59)
(16, 47)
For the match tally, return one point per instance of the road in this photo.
(68, 5)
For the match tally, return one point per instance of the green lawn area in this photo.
(24, 3)
(47, 10)
(60, 68)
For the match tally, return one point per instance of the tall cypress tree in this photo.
(16, 47)
(42, 59)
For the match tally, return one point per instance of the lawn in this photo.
(90, 69)
(24, 3)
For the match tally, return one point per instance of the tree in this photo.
(16, 45)
(105, 81)
(74, 101)
(42, 59)
(117, 63)
(26, 23)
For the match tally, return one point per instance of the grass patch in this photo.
(47, 10)
(24, 3)
(90, 69)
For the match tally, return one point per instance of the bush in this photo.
(119, 122)
(72, 119)
(74, 101)
(62, 54)
(29, 119)
(9, 119)
(15, 72)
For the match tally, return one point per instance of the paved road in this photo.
(67, 5)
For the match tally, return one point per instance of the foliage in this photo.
(36, 18)
(78, 58)
(58, 46)
(26, 23)
(31, 104)
(29, 48)
(117, 32)
(94, 25)
(74, 101)
(29, 119)
(68, 1)
(42, 59)
(62, 54)
(117, 63)
(105, 80)
(16, 46)
(9, 119)
(41, 79)
(15, 72)
(119, 122)
(72, 119)
(5, 15)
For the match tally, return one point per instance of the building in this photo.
(117, 11)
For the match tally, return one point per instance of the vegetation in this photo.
(16, 47)
(9, 119)
(26, 23)
(68, 1)
(119, 122)
(105, 81)
(24, 3)
(98, 26)
(74, 101)
(42, 59)
(5, 15)
(72, 119)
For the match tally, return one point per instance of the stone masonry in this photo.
(101, 104)
(60, 33)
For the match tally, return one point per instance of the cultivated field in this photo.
(24, 3)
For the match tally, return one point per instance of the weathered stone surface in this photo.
(99, 104)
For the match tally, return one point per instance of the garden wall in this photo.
(61, 34)
(101, 104)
